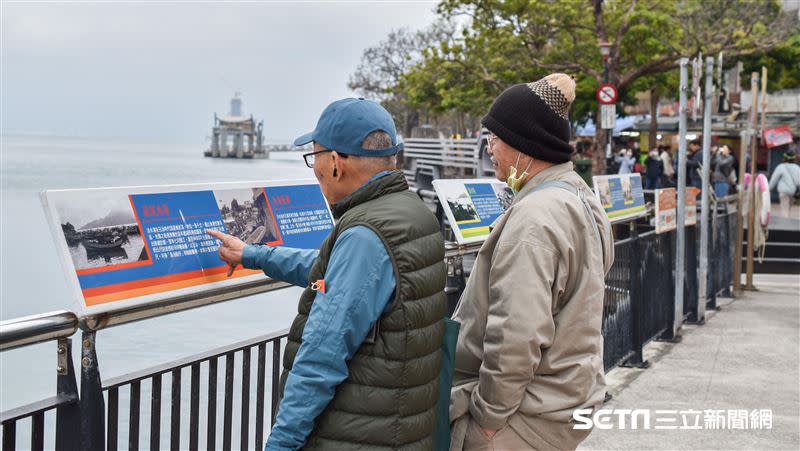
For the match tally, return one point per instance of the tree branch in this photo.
(623, 28)
(599, 24)
(653, 67)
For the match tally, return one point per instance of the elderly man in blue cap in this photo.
(362, 362)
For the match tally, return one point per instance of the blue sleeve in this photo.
(359, 284)
(283, 263)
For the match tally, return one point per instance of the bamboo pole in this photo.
(751, 201)
(763, 99)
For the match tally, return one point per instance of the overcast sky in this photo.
(159, 71)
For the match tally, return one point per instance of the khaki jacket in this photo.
(530, 348)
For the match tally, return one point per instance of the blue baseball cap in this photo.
(345, 123)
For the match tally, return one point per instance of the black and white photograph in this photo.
(101, 231)
(460, 203)
(627, 192)
(603, 191)
(247, 215)
(504, 194)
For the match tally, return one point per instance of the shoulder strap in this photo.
(581, 195)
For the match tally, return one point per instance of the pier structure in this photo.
(235, 135)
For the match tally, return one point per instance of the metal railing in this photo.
(638, 308)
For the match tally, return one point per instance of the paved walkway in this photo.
(746, 356)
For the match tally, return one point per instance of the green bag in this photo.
(442, 434)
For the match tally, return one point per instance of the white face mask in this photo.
(514, 182)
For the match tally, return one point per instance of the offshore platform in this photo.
(235, 135)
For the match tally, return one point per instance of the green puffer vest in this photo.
(388, 401)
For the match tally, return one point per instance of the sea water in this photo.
(33, 280)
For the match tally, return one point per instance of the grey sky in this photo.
(160, 71)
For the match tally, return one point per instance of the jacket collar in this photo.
(551, 173)
(392, 182)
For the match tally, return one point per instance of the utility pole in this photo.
(680, 231)
(703, 277)
(605, 51)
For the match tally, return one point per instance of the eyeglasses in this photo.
(490, 139)
(311, 156)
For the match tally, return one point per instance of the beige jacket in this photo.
(530, 349)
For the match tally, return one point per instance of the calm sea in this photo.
(33, 281)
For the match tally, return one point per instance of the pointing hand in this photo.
(230, 251)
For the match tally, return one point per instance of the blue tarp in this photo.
(623, 123)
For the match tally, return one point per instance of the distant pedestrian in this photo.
(723, 168)
(786, 179)
(626, 161)
(654, 168)
(693, 163)
(669, 170)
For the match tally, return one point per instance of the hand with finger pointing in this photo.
(230, 251)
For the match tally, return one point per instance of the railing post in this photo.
(92, 428)
(635, 265)
(731, 220)
(714, 262)
(68, 417)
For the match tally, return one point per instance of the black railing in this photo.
(617, 314)
(208, 366)
(206, 413)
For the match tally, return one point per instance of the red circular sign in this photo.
(607, 94)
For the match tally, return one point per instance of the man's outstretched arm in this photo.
(282, 263)
(288, 264)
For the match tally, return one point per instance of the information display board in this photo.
(621, 195)
(134, 245)
(666, 209)
(472, 205)
(691, 205)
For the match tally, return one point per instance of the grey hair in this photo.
(378, 140)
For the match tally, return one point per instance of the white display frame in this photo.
(50, 198)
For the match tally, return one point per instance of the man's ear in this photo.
(335, 164)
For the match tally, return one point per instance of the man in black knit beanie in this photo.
(530, 350)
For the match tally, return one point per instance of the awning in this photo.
(622, 123)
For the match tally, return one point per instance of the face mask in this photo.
(514, 182)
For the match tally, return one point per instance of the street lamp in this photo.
(605, 51)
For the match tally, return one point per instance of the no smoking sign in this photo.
(607, 94)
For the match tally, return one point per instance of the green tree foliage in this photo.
(783, 63)
(501, 43)
(378, 75)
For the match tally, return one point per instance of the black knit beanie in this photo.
(532, 117)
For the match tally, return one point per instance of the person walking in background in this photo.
(786, 179)
(693, 163)
(666, 160)
(625, 160)
(723, 168)
(654, 168)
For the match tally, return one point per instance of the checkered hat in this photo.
(533, 117)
